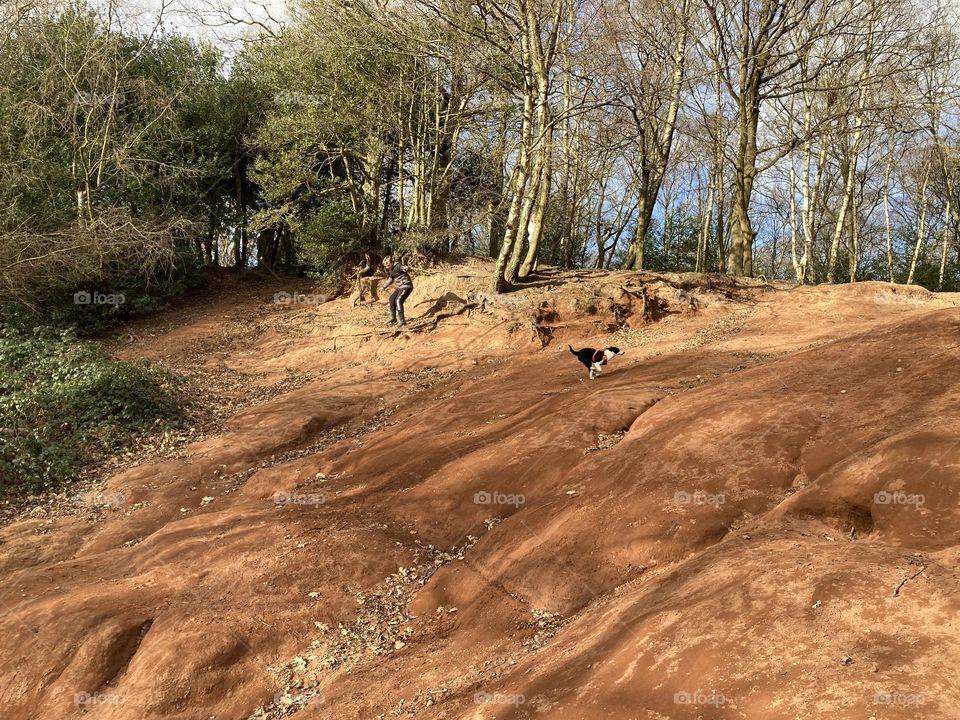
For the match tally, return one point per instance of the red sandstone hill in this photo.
(753, 513)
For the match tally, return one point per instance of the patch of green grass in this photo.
(66, 403)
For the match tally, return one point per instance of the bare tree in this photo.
(652, 41)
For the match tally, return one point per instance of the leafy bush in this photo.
(65, 403)
(327, 235)
(92, 303)
(419, 244)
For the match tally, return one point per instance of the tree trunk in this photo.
(519, 181)
(706, 220)
(535, 227)
(523, 223)
(886, 212)
(638, 243)
(797, 264)
(946, 239)
(921, 225)
(240, 231)
(740, 257)
(853, 258)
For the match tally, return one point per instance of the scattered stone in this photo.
(605, 441)
(547, 624)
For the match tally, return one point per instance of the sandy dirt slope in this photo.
(753, 513)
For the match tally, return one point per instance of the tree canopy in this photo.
(807, 140)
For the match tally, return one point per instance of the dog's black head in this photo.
(615, 350)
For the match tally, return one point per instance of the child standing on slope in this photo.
(399, 275)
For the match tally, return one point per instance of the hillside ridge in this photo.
(752, 513)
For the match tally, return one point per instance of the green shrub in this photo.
(58, 306)
(66, 403)
(327, 235)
